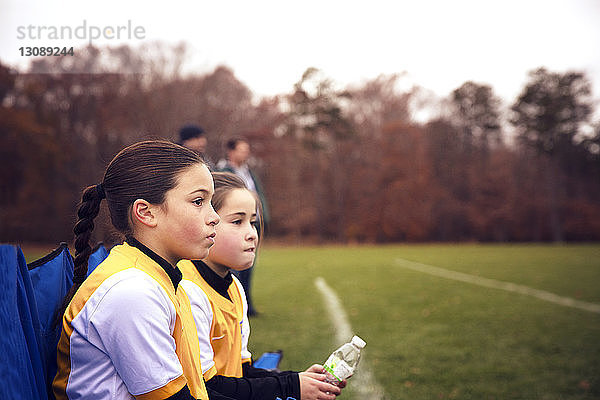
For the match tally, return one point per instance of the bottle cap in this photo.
(358, 342)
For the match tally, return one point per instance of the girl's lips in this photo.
(211, 238)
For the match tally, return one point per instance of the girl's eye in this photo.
(254, 224)
(237, 222)
(198, 202)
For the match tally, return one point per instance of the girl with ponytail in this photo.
(127, 329)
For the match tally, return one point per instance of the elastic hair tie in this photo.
(100, 191)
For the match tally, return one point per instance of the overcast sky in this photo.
(268, 44)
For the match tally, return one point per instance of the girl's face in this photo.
(237, 238)
(187, 220)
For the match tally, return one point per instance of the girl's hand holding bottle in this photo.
(314, 387)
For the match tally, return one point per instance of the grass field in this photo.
(435, 338)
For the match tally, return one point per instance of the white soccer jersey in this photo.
(222, 324)
(128, 333)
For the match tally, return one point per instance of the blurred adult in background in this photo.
(238, 154)
(195, 138)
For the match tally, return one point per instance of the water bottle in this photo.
(342, 363)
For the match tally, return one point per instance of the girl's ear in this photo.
(144, 213)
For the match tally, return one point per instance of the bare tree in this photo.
(548, 115)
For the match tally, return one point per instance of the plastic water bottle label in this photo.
(339, 369)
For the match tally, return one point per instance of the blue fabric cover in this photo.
(98, 255)
(52, 277)
(21, 348)
(30, 297)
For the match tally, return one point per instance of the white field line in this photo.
(496, 284)
(363, 382)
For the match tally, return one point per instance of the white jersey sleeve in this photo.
(203, 317)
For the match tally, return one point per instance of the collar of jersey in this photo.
(173, 272)
(220, 285)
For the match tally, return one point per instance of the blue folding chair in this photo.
(23, 367)
(98, 255)
(51, 277)
(30, 297)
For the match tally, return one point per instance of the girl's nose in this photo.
(252, 234)
(214, 218)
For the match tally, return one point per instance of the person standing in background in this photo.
(195, 138)
(238, 154)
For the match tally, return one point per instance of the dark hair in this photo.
(226, 182)
(190, 131)
(233, 142)
(144, 170)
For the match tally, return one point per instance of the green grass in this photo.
(434, 338)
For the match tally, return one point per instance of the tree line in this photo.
(349, 164)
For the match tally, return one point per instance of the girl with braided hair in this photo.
(128, 331)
